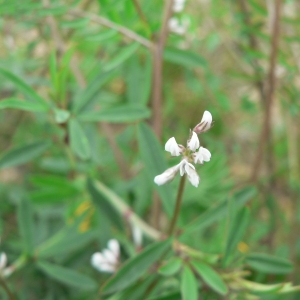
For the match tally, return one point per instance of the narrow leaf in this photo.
(25, 88)
(236, 232)
(218, 212)
(22, 155)
(120, 114)
(151, 152)
(78, 140)
(266, 263)
(122, 56)
(21, 104)
(67, 276)
(184, 58)
(135, 267)
(189, 288)
(210, 277)
(26, 226)
(171, 267)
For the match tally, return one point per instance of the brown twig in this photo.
(140, 11)
(7, 290)
(271, 84)
(157, 81)
(105, 22)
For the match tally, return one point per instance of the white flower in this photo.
(176, 26)
(205, 123)
(3, 261)
(189, 155)
(178, 5)
(202, 155)
(172, 147)
(189, 169)
(166, 176)
(194, 143)
(108, 259)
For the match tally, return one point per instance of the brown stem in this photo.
(271, 84)
(157, 79)
(157, 82)
(7, 290)
(140, 11)
(178, 205)
(105, 22)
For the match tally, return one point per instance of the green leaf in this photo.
(22, 155)
(78, 140)
(61, 115)
(266, 263)
(78, 23)
(189, 288)
(67, 240)
(135, 267)
(120, 114)
(151, 152)
(84, 98)
(210, 277)
(172, 296)
(21, 104)
(25, 89)
(26, 226)
(184, 58)
(171, 267)
(219, 211)
(122, 56)
(67, 276)
(236, 232)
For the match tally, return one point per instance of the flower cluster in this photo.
(108, 259)
(189, 154)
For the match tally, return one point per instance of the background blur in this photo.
(107, 65)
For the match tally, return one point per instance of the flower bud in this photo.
(205, 123)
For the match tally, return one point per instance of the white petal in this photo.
(205, 123)
(114, 247)
(194, 143)
(167, 175)
(193, 177)
(207, 117)
(3, 260)
(185, 167)
(205, 154)
(110, 256)
(172, 147)
(107, 268)
(97, 259)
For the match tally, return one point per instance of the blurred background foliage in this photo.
(78, 84)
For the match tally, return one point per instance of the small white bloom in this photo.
(176, 27)
(193, 177)
(185, 167)
(205, 123)
(194, 143)
(202, 155)
(3, 261)
(178, 5)
(108, 259)
(172, 147)
(167, 175)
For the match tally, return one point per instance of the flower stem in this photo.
(178, 205)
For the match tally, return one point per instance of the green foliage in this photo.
(90, 93)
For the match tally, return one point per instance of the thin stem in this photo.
(177, 205)
(6, 288)
(105, 22)
(266, 128)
